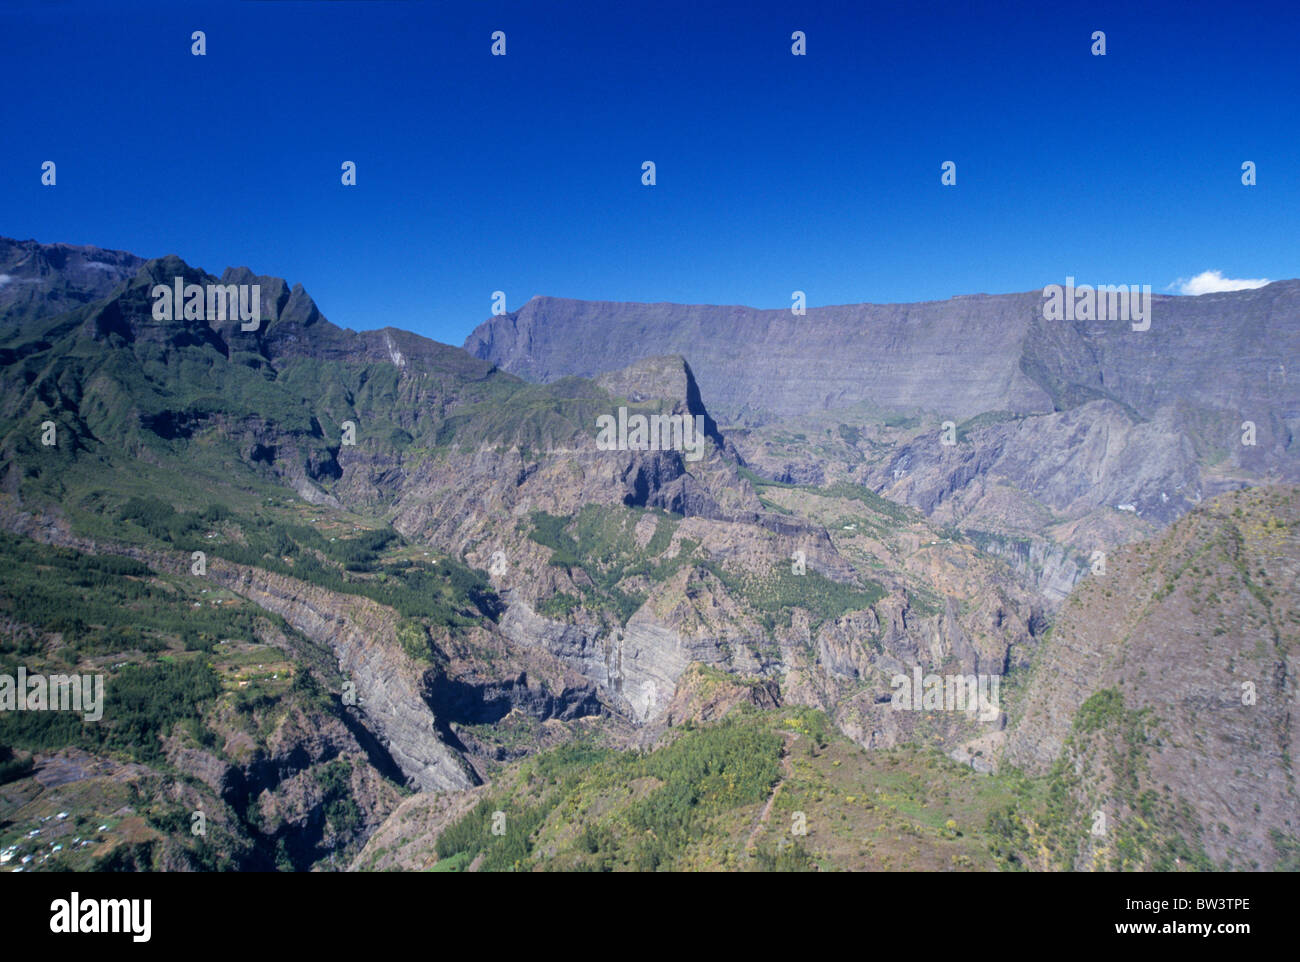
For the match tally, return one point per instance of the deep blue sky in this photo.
(775, 173)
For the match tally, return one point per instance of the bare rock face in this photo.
(637, 666)
(643, 588)
(668, 377)
(1175, 673)
(1094, 455)
(962, 356)
(388, 682)
(407, 840)
(897, 355)
(703, 695)
(291, 308)
(360, 633)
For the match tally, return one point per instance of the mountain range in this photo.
(457, 591)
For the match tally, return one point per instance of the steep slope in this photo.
(760, 364)
(755, 791)
(216, 718)
(42, 280)
(1166, 696)
(959, 357)
(469, 575)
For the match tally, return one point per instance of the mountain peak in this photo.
(665, 376)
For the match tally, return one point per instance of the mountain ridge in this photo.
(493, 582)
(529, 340)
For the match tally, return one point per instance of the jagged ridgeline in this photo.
(366, 600)
(123, 387)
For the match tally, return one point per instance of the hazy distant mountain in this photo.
(41, 280)
(959, 357)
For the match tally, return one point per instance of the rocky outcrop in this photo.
(408, 840)
(705, 695)
(829, 357)
(666, 377)
(1059, 418)
(637, 667)
(362, 634)
(1051, 569)
(1095, 455)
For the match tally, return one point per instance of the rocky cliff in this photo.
(959, 357)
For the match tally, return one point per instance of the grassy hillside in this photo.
(727, 796)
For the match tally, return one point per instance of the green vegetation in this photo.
(773, 596)
(1052, 825)
(985, 419)
(601, 542)
(791, 858)
(559, 605)
(413, 636)
(102, 604)
(12, 767)
(75, 613)
(446, 594)
(924, 602)
(696, 801)
(341, 810)
(702, 773)
(897, 514)
(142, 704)
(1102, 710)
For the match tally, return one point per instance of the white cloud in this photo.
(1213, 282)
(4, 279)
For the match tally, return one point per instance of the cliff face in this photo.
(462, 457)
(769, 363)
(362, 635)
(958, 357)
(1186, 653)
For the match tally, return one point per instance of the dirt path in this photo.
(790, 739)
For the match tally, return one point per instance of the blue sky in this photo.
(523, 173)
